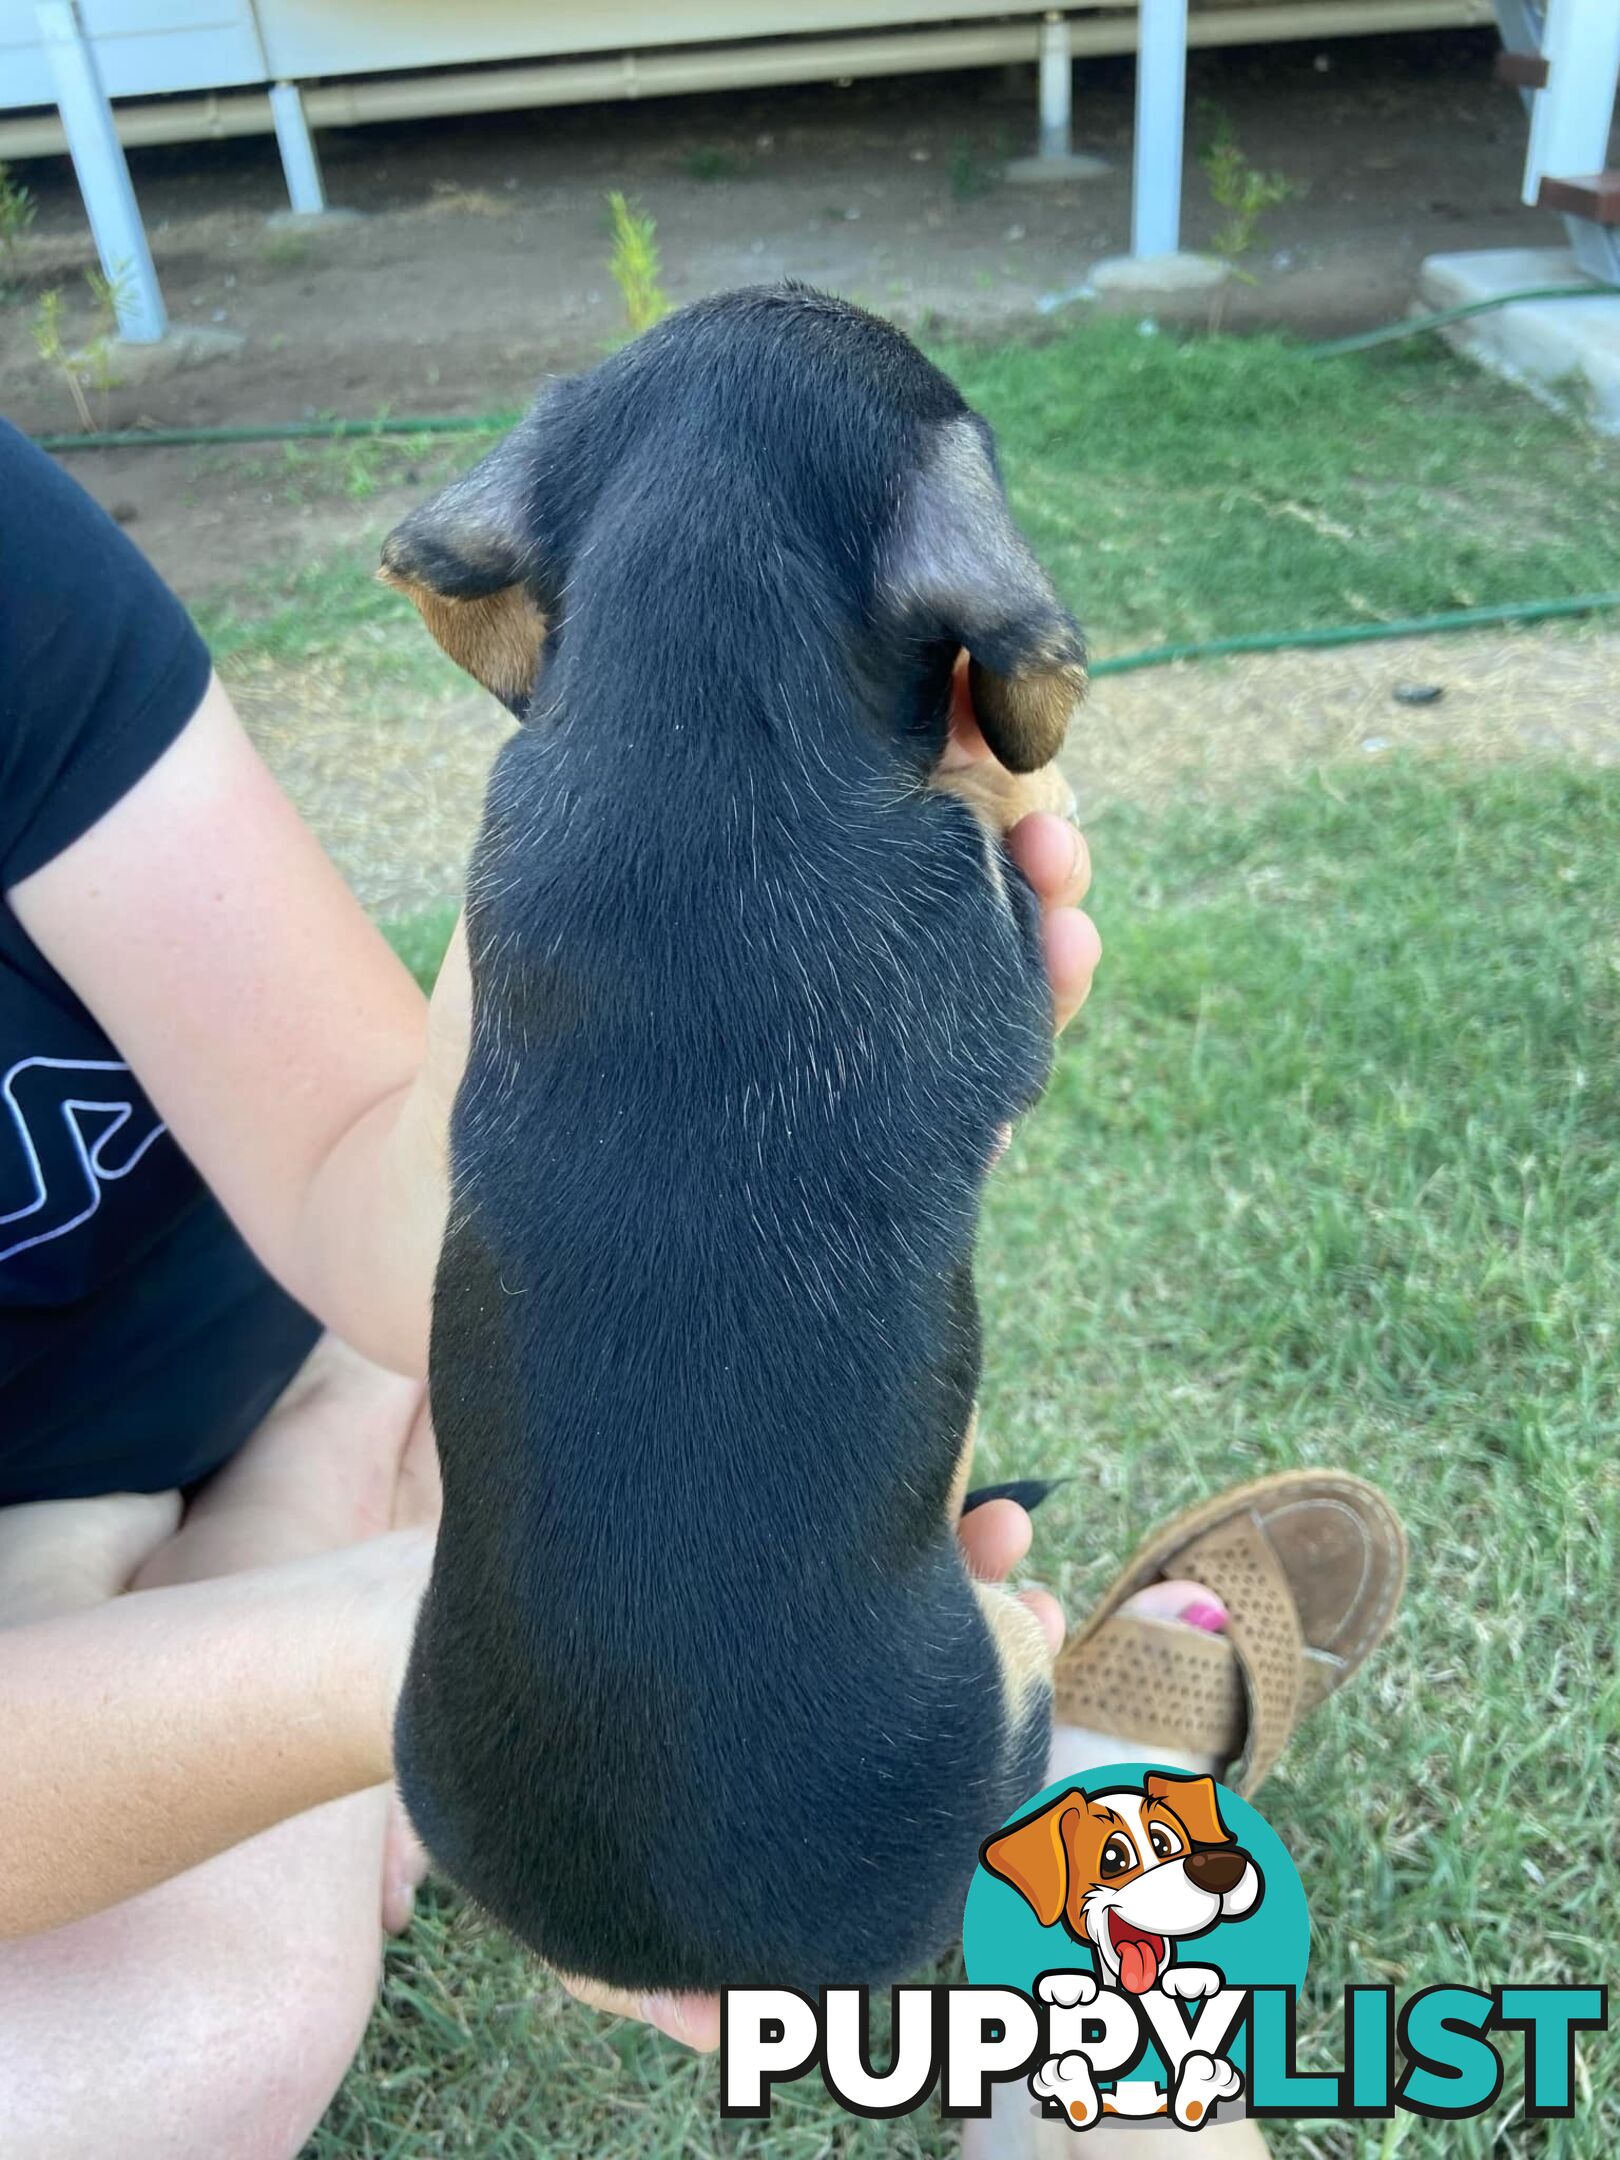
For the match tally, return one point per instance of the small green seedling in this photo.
(48, 343)
(17, 209)
(93, 363)
(107, 298)
(709, 162)
(635, 265)
(971, 176)
(1243, 192)
(285, 250)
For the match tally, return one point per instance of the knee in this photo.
(192, 2044)
(268, 2040)
(293, 2050)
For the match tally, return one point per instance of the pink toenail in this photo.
(1205, 1613)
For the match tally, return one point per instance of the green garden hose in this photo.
(1257, 641)
(185, 438)
(481, 423)
(1411, 326)
(1266, 641)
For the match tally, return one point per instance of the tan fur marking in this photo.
(999, 798)
(496, 639)
(1021, 1644)
(962, 1472)
(1026, 716)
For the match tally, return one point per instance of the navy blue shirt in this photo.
(100, 669)
(111, 1249)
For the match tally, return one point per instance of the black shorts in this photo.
(155, 1380)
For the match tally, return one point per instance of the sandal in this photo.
(1309, 1565)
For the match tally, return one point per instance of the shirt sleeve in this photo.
(100, 665)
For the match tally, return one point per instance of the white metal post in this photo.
(1570, 118)
(1057, 87)
(1161, 104)
(103, 176)
(305, 190)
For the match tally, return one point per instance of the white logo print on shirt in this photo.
(50, 1102)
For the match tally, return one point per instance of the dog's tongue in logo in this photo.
(1140, 1954)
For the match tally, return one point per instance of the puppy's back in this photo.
(705, 1356)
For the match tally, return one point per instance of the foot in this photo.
(1013, 2131)
(1077, 1748)
(325, 1469)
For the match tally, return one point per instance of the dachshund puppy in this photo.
(701, 1693)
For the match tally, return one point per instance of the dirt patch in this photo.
(212, 520)
(1214, 726)
(478, 262)
(392, 788)
(395, 793)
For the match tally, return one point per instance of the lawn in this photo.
(1327, 1174)
(1174, 489)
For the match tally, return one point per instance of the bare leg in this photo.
(1015, 2129)
(217, 2014)
(63, 1556)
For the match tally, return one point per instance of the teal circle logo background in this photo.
(1005, 1945)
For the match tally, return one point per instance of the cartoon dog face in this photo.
(1129, 1873)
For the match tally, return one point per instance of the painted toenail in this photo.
(1205, 1613)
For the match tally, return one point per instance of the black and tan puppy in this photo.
(702, 1693)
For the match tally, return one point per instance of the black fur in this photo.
(701, 1694)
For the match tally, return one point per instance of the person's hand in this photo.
(994, 1538)
(1053, 856)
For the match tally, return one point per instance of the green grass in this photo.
(1186, 489)
(1328, 1175)
(1176, 489)
(709, 162)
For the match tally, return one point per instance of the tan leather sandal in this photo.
(1309, 1565)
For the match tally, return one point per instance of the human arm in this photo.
(201, 1715)
(284, 1044)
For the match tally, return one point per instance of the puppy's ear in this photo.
(958, 567)
(1034, 1858)
(1194, 1801)
(467, 561)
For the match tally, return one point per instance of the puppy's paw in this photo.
(1202, 2084)
(1068, 1990)
(1191, 1983)
(1067, 2083)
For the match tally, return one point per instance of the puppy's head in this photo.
(1129, 1873)
(770, 429)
